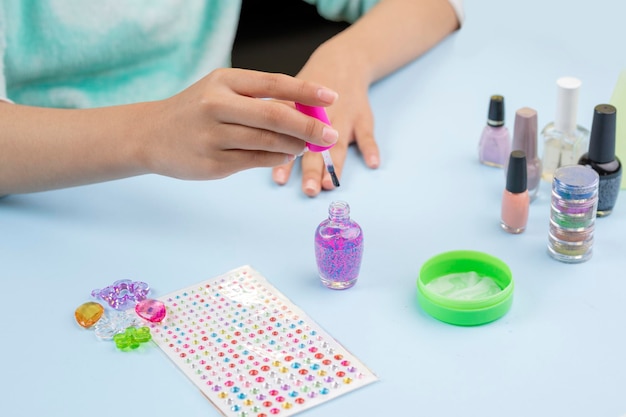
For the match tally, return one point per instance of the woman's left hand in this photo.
(350, 115)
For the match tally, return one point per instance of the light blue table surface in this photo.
(560, 350)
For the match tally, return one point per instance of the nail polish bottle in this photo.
(515, 198)
(525, 139)
(602, 159)
(338, 248)
(495, 142)
(564, 141)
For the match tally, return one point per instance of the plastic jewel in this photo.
(123, 294)
(151, 310)
(88, 314)
(115, 322)
(132, 337)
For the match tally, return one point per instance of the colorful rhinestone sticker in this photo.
(251, 351)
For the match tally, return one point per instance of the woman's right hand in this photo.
(218, 126)
(232, 120)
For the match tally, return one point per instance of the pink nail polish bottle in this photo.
(515, 199)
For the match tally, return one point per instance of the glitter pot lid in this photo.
(465, 312)
(575, 182)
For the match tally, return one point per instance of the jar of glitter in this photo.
(573, 211)
(338, 248)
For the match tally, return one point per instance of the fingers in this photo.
(236, 160)
(312, 173)
(364, 132)
(277, 86)
(315, 177)
(270, 115)
(281, 174)
(247, 138)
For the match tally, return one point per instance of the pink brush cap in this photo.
(320, 114)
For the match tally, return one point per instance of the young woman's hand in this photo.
(220, 125)
(351, 115)
(223, 124)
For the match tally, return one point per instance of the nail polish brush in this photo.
(320, 114)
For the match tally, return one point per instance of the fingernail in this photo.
(327, 95)
(329, 135)
(373, 161)
(280, 176)
(310, 187)
(290, 158)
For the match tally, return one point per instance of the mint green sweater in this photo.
(86, 53)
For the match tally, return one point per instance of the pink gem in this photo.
(151, 310)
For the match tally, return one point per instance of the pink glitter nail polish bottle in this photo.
(338, 248)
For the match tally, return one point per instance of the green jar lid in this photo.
(465, 311)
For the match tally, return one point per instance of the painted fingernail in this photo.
(326, 95)
(329, 135)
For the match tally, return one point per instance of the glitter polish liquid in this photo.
(602, 159)
(495, 141)
(515, 198)
(338, 248)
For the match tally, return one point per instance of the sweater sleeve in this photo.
(351, 10)
(3, 45)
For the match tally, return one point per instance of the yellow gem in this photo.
(88, 314)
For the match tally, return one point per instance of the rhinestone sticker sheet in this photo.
(251, 351)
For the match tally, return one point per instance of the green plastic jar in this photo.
(465, 312)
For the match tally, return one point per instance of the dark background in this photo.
(279, 35)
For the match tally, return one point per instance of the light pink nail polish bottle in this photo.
(515, 198)
(495, 141)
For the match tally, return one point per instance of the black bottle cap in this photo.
(602, 137)
(516, 174)
(496, 111)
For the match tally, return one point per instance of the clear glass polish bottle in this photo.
(495, 141)
(564, 141)
(338, 248)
